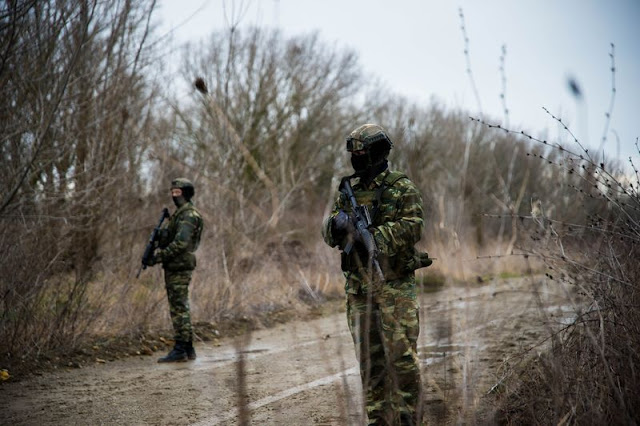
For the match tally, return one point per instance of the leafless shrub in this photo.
(589, 242)
(72, 118)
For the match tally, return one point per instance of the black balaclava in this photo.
(360, 163)
(179, 201)
(370, 164)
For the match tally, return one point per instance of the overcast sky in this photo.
(416, 47)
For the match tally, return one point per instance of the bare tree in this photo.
(265, 126)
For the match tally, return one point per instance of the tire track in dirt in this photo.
(353, 371)
(452, 349)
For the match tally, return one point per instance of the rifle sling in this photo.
(389, 180)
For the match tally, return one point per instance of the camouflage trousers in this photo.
(385, 329)
(177, 285)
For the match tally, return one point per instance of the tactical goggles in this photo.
(355, 145)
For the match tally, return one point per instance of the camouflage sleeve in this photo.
(406, 228)
(187, 224)
(327, 234)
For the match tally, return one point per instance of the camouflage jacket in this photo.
(397, 225)
(180, 238)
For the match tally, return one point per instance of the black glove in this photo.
(150, 261)
(343, 224)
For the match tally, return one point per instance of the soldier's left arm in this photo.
(187, 225)
(405, 229)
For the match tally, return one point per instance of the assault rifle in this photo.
(148, 251)
(362, 221)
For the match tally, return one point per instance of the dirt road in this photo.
(305, 373)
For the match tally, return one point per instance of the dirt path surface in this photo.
(305, 373)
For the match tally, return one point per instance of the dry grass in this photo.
(590, 374)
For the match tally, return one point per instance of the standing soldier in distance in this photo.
(177, 242)
(382, 313)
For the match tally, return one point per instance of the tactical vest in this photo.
(185, 260)
(382, 204)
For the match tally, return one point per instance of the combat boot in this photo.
(177, 354)
(191, 352)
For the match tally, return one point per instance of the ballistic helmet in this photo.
(366, 136)
(185, 185)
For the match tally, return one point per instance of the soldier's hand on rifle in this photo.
(152, 260)
(343, 223)
(148, 257)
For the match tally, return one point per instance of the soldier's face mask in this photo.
(177, 197)
(360, 161)
(178, 201)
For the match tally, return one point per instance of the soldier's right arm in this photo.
(162, 240)
(188, 223)
(327, 228)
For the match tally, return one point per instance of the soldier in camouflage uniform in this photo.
(382, 313)
(177, 243)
